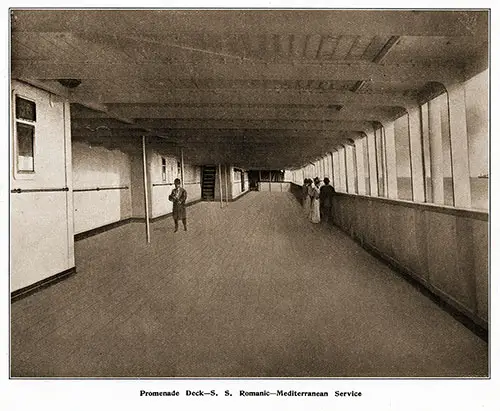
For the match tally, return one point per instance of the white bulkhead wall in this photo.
(42, 219)
(96, 167)
(163, 184)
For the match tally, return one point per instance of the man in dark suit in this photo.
(326, 200)
(178, 197)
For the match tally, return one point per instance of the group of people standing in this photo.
(317, 199)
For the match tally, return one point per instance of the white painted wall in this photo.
(42, 222)
(236, 190)
(161, 189)
(220, 183)
(98, 167)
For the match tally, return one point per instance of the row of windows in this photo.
(172, 169)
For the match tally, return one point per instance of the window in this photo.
(236, 174)
(163, 169)
(25, 135)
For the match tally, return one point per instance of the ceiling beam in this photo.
(248, 96)
(357, 70)
(155, 124)
(169, 23)
(197, 134)
(278, 113)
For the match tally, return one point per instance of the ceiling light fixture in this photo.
(70, 82)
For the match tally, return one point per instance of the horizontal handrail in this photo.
(171, 184)
(37, 190)
(438, 208)
(101, 188)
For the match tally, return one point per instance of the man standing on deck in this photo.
(178, 197)
(326, 200)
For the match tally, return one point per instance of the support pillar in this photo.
(416, 154)
(182, 168)
(436, 151)
(459, 146)
(372, 162)
(226, 184)
(146, 188)
(332, 169)
(220, 186)
(360, 166)
(390, 153)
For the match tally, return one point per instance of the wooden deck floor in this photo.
(251, 290)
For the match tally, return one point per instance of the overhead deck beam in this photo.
(279, 113)
(226, 97)
(188, 134)
(264, 124)
(169, 23)
(357, 70)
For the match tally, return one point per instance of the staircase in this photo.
(208, 183)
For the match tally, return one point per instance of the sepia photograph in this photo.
(249, 194)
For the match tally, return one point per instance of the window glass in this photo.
(25, 138)
(25, 109)
(163, 169)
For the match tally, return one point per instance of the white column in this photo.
(390, 153)
(417, 166)
(360, 166)
(220, 185)
(182, 167)
(459, 146)
(436, 151)
(332, 168)
(146, 188)
(372, 162)
(226, 184)
(68, 178)
(348, 187)
(336, 170)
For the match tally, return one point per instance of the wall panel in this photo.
(41, 221)
(444, 248)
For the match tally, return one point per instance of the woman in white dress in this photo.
(314, 194)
